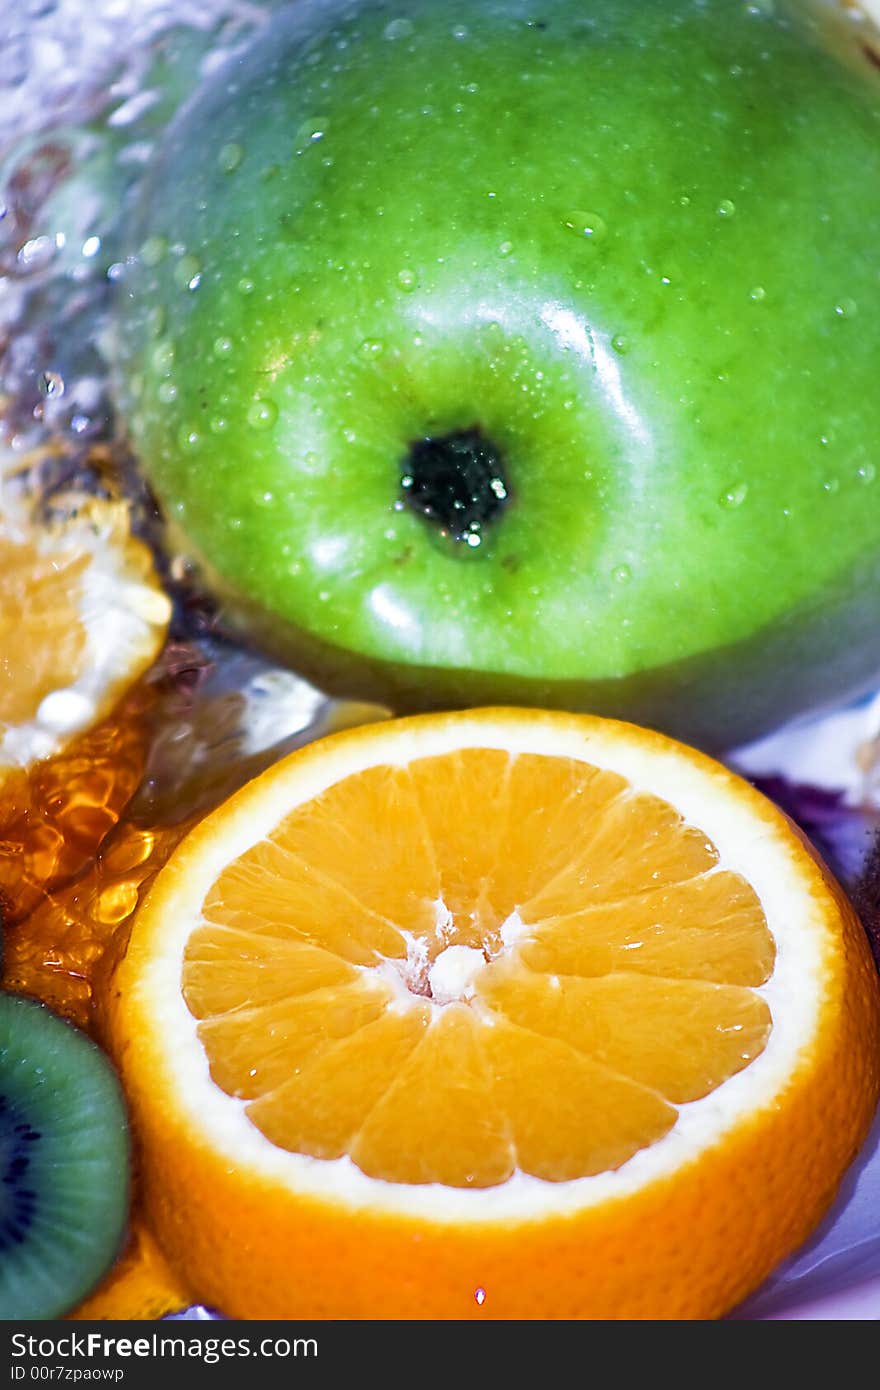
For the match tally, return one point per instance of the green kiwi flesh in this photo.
(64, 1162)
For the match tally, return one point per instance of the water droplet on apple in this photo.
(188, 438)
(589, 225)
(406, 279)
(620, 343)
(734, 496)
(218, 424)
(156, 321)
(867, 473)
(262, 414)
(230, 157)
(846, 309)
(223, 347)
(758, 294)
(167, 392)
(506, 248)
(162, 356)
(621, 574)
(245, 286)
(398, 29)
(831, 485)
(459, 31)
(154, 250)
(310, 132)
(372, 347)
(726, 208)
(188, 273)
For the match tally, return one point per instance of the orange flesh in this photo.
(616, 959)
(41, 635)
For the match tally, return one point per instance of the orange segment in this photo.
(313, 907)
(322, 1107)
(366, 836)
(540, 833)
(254, 1050)
(709, 928)
(680, 1038)
(255, 971)
(458, 1133)
(464, 856)
(589, 1120)
(639, 843)
(505, 996)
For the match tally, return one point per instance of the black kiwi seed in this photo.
(64, 1162)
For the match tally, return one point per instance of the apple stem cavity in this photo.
(456, 482)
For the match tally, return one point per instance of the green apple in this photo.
(526, 351)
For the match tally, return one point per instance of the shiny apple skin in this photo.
(637, 244)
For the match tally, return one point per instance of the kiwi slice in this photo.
(64, 1162)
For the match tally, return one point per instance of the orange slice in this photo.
(82, 616)
(498, 1014)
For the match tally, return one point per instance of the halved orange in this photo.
(500, 1014)
(82, 616)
